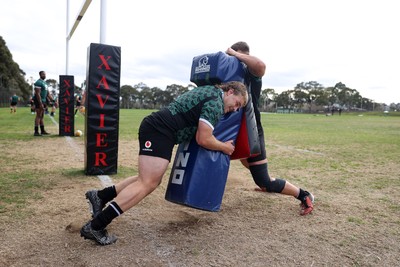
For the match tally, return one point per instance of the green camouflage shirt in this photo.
(180, 119)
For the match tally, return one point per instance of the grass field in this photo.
(349, 162)
(355, 139)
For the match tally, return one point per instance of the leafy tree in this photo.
(11, 76)
(332, 95)
(129, 95)
(174, 91)
(308, 93)
(267, 96)
(284, 99)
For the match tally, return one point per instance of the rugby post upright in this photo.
(102, 109)
(101, 98)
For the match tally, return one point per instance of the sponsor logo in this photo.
(203, 65)
(147, 146)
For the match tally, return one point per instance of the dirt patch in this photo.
(356, 227)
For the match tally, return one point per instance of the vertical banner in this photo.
(102, 109)
(66, 106)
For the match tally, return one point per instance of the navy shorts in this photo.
(154, 143)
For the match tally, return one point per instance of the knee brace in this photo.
(262, 179)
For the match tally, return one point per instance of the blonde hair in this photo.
(238, 89)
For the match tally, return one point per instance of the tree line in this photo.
(314, 97)
(304, 97)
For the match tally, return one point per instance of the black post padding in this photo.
(102, 109)
(66, 100)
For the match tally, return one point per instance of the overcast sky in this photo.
(328, 41)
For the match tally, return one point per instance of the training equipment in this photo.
(215, 68)
(66, 119)
(198, 176)
(78, 133)
(102, 100)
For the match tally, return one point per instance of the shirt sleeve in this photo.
(211, 112)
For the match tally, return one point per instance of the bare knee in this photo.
(150, 184)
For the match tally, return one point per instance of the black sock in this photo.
(302, 194)
(105, 217)
(42, 128)
(36, 129)
(107, 194)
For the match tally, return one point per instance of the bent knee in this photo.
(150, 184)
(275, 185)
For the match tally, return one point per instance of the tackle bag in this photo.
(199, 175)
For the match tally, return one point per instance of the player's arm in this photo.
(206, 139)
(51, 99)
(256, 66)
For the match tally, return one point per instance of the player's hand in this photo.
(229, 147)
(230, 51)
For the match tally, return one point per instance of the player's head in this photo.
(235, 95)
(42, 74)
(241, 47)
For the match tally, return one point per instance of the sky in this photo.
(327, 41)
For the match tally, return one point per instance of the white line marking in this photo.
(104, 179)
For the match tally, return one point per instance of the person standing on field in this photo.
(192, 115)
(258, 165)
(40, 100)
(78, 100)
(13, 103)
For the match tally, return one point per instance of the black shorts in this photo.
(154, 143)
(13, 103)
(37, 105)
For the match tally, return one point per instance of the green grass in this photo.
(335, 152)
(129, 122)
(365, 134)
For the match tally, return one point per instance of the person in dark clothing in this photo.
(258, 165)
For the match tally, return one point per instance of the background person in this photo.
(193, 114)
(258, 165)
(78, 101)
(40, 99)
(13, 103)
(32, 104)
(53, 104)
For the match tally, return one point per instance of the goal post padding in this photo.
(102, 109)
(66, 118)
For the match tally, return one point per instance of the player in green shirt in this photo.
(13, 103)
(40, 101)
(192, 115)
